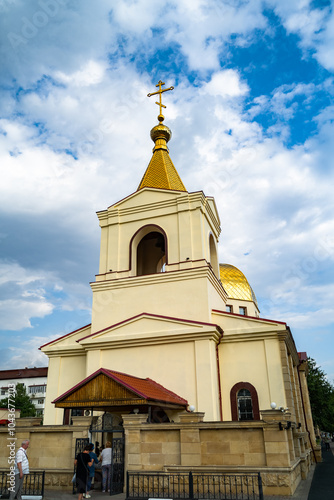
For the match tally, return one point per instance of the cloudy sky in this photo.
(252, 120)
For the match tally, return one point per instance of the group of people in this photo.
(85, 469)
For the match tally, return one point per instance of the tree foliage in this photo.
(21, 401)
(321, 397)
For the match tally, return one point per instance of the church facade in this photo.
(176, 339)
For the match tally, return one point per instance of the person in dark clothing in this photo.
(97, 448)
(82, 462)
(91, 473)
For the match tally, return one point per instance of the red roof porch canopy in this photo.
(108, 390)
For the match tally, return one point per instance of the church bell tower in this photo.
(158, 250)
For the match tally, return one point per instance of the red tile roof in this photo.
(23, 373)
(145, 388)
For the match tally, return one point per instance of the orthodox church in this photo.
(176, 338)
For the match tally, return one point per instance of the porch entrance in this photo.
(110, 428)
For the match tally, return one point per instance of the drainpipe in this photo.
(219, 385)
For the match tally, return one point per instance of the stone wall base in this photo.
(58, 480)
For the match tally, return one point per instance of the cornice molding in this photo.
(166, 277)
(178, 202)
(138, 340)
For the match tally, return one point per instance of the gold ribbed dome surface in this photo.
(161, 173)
(235, 283)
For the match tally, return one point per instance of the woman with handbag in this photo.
(82, 462)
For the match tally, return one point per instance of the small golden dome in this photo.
(161, 132)
(235, 283)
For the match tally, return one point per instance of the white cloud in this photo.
(16, 314)
(92, 73)
(26, 294)
(226, 84)
(27, 353)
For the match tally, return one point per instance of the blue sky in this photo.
(252, 120)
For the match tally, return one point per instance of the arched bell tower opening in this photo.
(149, 251)
(151, 254)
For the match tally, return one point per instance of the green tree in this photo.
(21, 401)
(321, 397)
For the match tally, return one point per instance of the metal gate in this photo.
(112, 423)
(117, 466)
(79, 448)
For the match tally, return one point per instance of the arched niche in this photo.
(148, 251)
(213, 254)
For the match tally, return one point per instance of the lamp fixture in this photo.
(287, 427)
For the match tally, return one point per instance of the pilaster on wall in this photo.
(132, 428)
(299, 403)
(294, 409)
(190, 439)
(307, 410)
(286, 376)
(278, 443)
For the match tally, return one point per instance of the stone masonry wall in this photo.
(51, 448)
(230, 447)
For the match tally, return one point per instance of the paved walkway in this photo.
(318, 486)
(322, 487)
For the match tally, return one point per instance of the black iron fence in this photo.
(193, 485)
(33, 484)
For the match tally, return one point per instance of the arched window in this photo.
(151, 254)
(245, 405)
(244, 402)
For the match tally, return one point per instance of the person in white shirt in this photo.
(105, 458)
(21, 469)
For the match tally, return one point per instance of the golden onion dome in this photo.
(161, 133)
(235, 283)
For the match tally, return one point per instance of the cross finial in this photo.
(160, 91)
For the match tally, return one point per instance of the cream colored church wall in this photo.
(171, 365)
(256, 362)
(63, 373)
(182, 294)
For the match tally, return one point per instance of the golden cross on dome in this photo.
(160, 91)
